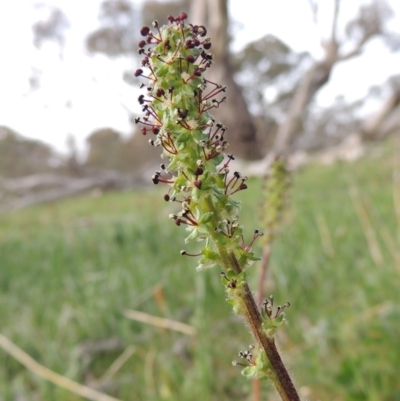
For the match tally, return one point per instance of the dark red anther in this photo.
(138, 72)
(166, 198)
(198, 184)
(143, 131)
(183, 16)
(142, 43)
(198, 171)
(170, 18)
(160, 92)
(145, 31)
(155, 130)
(207, 45)
(197, 72)
(189, 58)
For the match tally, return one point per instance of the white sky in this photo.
(80, 93)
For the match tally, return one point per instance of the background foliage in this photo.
(70, 269)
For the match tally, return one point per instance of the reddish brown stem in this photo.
(279, 374)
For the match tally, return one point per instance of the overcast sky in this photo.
(79, 93)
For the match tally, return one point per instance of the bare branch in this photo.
(379, 123)
(357, 50)
(27, 191)
(47, 374)
(160, 322)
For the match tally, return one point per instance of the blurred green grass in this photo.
(70, 269)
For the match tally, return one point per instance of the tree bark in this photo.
(27, 191)
(385, 120)
(316, 77)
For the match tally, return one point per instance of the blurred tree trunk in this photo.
(315, 78)
(368, 24)
(385, 120)
(242, 132)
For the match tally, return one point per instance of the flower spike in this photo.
(177, 106)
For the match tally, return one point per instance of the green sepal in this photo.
(206, 218)
(210, 259)
(226, 202)
(249, 372)
(193, 234)
(245, 258)
(161, 69)
(187, 90)
(239, 278)
(217, 160)
(199, 232)
(259, 369)
(231, 275)
(271, 325)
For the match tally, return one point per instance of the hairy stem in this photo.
(279, 374)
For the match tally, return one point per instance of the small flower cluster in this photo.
(273, 322)
(253, 367)
(177, 106)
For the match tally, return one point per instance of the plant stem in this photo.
(279, 374)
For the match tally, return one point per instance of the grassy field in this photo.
(69, 270)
